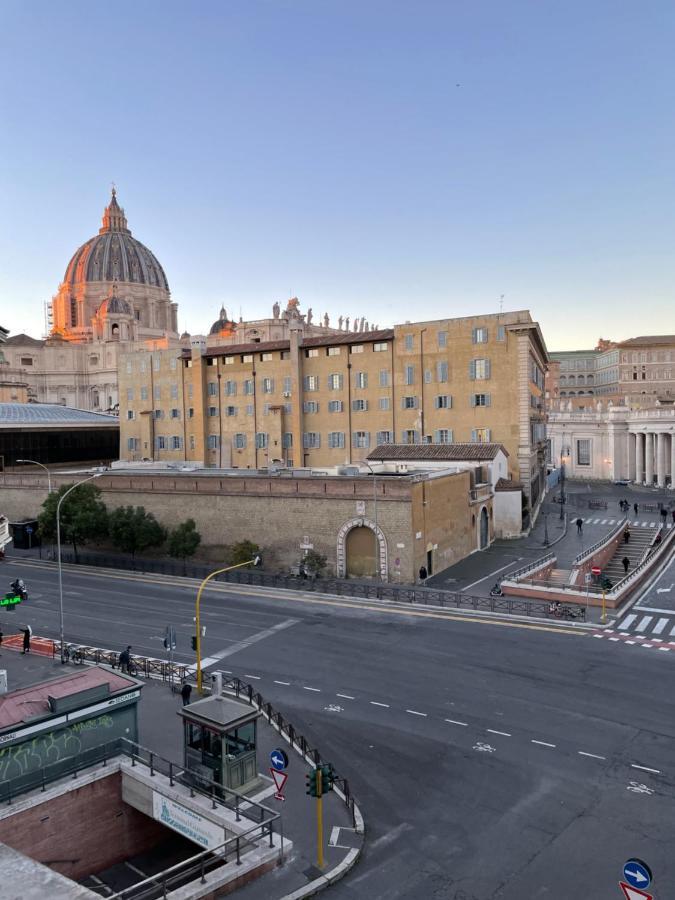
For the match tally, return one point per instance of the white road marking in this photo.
(654, 609)
(413, 712)
(611, 521)
(647, 646)
(286, 683)
(502, 733)
(254, 677)
(375, 703)
(601, 636)
(644, 621)
(664, 648)
(496, 572)
(645, 769)
(454, 722)
(638, 788)
(615, 639)
(632, 643)
(483, 748)
(604, 522)
(242, 645)
(660, 625)
(591, 755)
(345, 696)
(627, 622)
(316, 690)
(542, 743)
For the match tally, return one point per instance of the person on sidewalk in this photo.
(580, 526)
(185, 692)
(626, 535)
(635, 508)
(625, 562)
(125, 659)
(423, 574)
(673, 515)
(27, 632)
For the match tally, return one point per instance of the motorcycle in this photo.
(496, 591)
(19, 589)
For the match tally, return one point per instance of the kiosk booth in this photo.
(220, 738)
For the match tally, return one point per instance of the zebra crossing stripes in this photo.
(636, 524)
(626, 622)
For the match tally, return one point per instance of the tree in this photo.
(132, 530)
(241, 552)
(83, 516)
(314, 562)
(184, 540)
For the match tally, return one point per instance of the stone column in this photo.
(631, 440)
(672, 460)
(660, 459)
(639, 458)
(649, 459)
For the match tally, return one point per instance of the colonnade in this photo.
(651, 457)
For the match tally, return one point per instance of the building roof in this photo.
(51, 414)
(32, 702)
(647, 340)
(113, 254)
(24, 340)
(444, 452)
(503, 484)
(324, 340)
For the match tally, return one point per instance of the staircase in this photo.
(556, 578)
(640, 539)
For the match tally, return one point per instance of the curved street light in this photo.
(34, 462)
(58, 549)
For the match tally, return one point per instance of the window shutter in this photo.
(472, 370)
(416, 402)
(305, 382)
(488, 368)
(437, 436)
(487, 400)
(488, 435)
(473, 434)
(473, 335)
(473, 399)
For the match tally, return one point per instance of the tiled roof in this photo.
(646, 340)
(503, 484)
(449, 452)
(323, 340)
(51, 414)
(27, 703)
(24, 340)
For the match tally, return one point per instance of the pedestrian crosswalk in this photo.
(655, 623)
(638, 523)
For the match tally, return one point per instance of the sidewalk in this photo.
(160, 730)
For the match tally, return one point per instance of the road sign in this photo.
(596, 570)
(278, 759)
(631, 893)
(587, 578)
(637, 873)
(29, 529)
(280, 779)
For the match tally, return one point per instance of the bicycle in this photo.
(76, 654)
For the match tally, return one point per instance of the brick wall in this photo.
(82, 831)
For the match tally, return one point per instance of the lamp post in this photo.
(198, 637)
(546, 541)
(562, 482)
(34, 462)
(58, 549)
(377, 539)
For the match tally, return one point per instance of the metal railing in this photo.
(531, 567)
(243, 690)
(589, 551)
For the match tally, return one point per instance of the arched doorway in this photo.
(484, 529)
(361, 550)
(360, 556)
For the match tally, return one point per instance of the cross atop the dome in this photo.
(114, 188)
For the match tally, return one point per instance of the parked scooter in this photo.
(496, 591)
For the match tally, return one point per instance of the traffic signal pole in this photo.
(319, 821)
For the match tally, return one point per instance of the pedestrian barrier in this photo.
(38, 645)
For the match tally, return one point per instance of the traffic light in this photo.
(327, 778)
(310, 778)
(194, 642)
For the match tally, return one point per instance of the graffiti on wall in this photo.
(52, 747)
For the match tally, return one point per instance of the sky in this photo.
(397, 160)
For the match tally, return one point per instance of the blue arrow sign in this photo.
(637, 873)
(278, 759)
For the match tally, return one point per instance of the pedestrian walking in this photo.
(673, 515)
(185, 692)
(27, 633)
(625, 562)
(626, 535)
(635, 508)
(1, 637)
(125, 659)
(423, 574)
(580, 525)
(664, 514)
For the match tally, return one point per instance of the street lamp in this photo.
(34, 462)
(198, 637)
(562, 482)
(58, 548)
(377, 539)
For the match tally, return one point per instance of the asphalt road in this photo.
(490, 760)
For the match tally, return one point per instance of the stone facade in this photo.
(327, 400)
(425, 518)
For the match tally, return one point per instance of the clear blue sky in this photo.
(394, 160)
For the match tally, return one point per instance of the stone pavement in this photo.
(160, 730)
